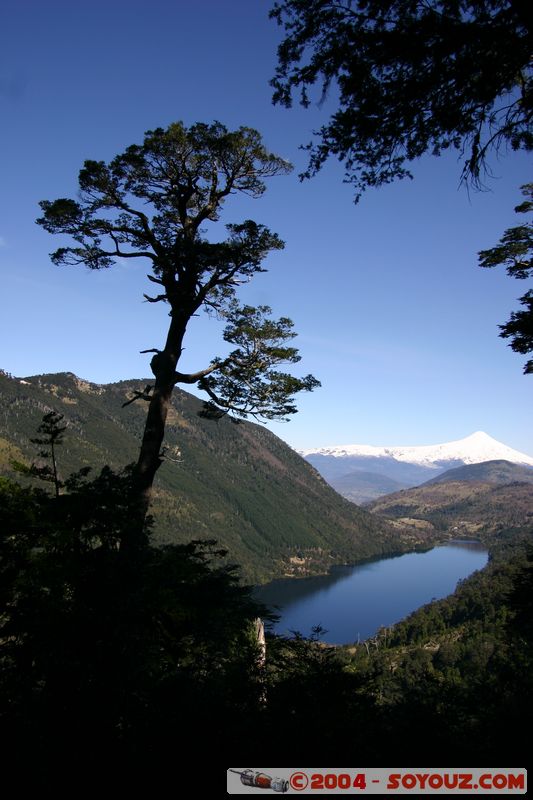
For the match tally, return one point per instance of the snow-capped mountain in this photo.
(357, 471)
(474, 449)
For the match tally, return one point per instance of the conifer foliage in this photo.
(154, 201)
(515, 252)
(408, 77)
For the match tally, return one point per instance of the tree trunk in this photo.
(54, 468)
(164, 368)
(154, 430)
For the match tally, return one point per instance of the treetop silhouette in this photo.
(152, 201)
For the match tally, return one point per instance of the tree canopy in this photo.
(154, 201)
(409, 77)
(515, 252)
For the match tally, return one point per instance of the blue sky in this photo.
(394, 315)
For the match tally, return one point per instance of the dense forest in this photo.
(130, 656)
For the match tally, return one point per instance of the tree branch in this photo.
(121, 254)
(194, 377)
(157, 299)
(144, 221)
(144, 395)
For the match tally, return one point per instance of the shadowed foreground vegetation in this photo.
(136, 663)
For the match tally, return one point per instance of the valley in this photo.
(235, 482)
(241, 485)
(397, 647)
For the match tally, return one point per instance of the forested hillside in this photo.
(234, 482)
(474, 507)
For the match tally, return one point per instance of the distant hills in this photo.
(499, 472)
(481, 498)
(361, 472)
(361, 486)
(237, 483)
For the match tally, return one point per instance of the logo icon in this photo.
(250, 777)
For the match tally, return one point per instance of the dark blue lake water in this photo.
(353, 602)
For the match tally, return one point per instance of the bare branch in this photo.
(144, 395)
(158, 299)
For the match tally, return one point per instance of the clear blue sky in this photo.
(395, 318)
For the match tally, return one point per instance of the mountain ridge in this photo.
(412, 466)
(237, 483)
(473, 449)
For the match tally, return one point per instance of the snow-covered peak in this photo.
(473, 449)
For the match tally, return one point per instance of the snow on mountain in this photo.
(474, 449)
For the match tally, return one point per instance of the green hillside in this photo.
(235, 482)
(470, 507)
(499, 471)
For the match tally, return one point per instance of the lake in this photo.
(351, 603)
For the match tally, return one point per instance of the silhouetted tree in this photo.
(411, 77)
(51, 434)
(515, 252)
(153, 202)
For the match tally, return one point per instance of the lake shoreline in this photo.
(352, 601)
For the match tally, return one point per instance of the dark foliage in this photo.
(408, 78)
(515, 252)
(106, 656)
(124, 666)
